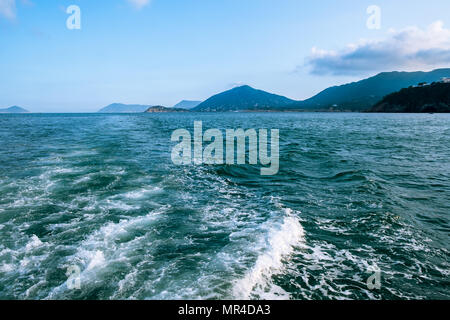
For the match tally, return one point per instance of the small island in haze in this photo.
(124, 108)
(183, 106)
(187, 104)
(14, 109)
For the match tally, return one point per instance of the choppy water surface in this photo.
(100, 192)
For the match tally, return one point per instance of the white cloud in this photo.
(408, 49)
(8, 8)
(139, 4)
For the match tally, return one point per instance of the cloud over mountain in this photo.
(408, 49)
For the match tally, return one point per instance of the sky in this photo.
(159, 52)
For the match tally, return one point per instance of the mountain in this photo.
(14, 109)
(123, 108)
(244, 98)
(362, 95)
(161, 109)
(355, 96)
(421, 99)
(186, 104)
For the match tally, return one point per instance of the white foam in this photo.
(82, 179)
(115, 204)
(281, 243)
(98, 259)
(100, 249)
(8, 267)
(63, 170)
(112, 231)
(141, 193)
(34, 243)
(79, 153)
(24, 263)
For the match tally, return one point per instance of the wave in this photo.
(281, 242)
(111, 243)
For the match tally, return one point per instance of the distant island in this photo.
(161, 109)
(425, 98)
(139, 108)
(14, 109)
(124, 108)
(187, 104)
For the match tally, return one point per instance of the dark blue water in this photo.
(100, 192)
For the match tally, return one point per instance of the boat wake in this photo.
(279, 244)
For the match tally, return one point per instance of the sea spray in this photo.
(281, 242)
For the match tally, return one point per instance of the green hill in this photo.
(428, 98)
(361, 95)
(244, 98)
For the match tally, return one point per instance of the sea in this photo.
(92, 207)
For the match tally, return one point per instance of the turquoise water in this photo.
(100, 192)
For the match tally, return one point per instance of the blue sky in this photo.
(164, 51)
